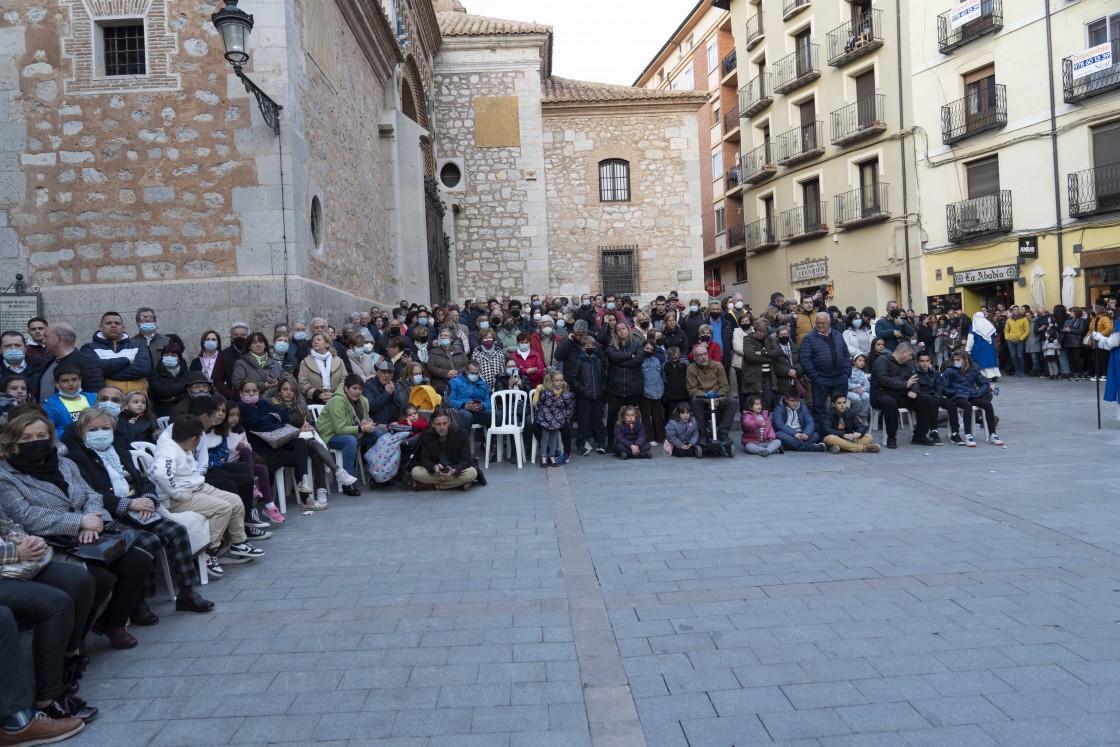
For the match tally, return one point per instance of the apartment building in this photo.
(825, 169)
(700, 55)
(1018, 112)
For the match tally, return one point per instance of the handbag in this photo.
(278, 437)
(1088, 339)
(801, 385)
(22, 570)
(114, 542)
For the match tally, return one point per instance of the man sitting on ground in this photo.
(445, 457)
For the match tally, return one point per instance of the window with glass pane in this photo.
(720, 220)
(124, 49)
(1104, 30)
(717, 165)
(614, 180)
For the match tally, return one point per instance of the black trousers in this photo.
(292, 454)
(15, 685)
(125, 581)
(236, 478)
(923, 407)
(57, 603)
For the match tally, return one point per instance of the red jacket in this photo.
(533, 360)
(714, 352)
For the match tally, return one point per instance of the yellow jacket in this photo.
(1017, 329)
(1100, 323)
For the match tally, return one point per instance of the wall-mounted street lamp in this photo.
(235, 25)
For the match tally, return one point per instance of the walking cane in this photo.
(1097, 380)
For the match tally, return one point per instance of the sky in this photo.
(587, 45)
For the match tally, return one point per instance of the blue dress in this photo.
(984, 353)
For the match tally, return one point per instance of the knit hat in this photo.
(580, 326)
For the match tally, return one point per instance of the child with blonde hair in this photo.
(554, 410)
(629, 435)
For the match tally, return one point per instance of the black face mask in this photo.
(239, 344)
(36, 452)
(782, 339)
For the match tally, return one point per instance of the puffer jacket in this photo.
(624, 369)
(678, 434)
(123, 360)
(967, 384)
(757, 428)
(587, 377)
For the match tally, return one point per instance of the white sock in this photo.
(270, 504)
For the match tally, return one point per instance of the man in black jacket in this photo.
(894, 385)
(445, 457)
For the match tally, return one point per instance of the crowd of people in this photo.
(83, 519)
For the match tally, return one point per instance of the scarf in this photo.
(261, 360)
(323, 360)
(117, 476)
(46, 470)
(983, 328)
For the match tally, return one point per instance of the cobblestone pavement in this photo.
(940, 596)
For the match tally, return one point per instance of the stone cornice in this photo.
(374, 34)
(542, 42)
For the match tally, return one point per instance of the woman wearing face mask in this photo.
(858, 336)
(361, 355)
(209, 362)
(445, 362)
(507, 332)
(282, 353)
(421, 346)
(544, 341)
(489, 356)
(46, 495)
(321, 372)
(168, 382)
(129, 496)
(529, 362)
(258, 364)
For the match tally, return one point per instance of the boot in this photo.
(142, 614)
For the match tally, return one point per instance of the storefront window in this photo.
(1103, 281)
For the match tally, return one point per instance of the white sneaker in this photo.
(344, 477)
(305, 485)
(321, 498)
(653, 443)
(994, 439)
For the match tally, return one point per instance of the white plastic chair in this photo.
(144, 446)
(879, 423)
(507, 418)
(315, 411)
(976, 424)
(163, 422)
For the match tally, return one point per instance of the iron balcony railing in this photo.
(865, 118)
(805, 221)
(758, 164)
(862, 205)
(1093, 84)
(855, 38)
(949, 37)
(981, 110)
(733, 178)
(980, 216)
(760, 235)
(1094, 191)
(731, 120)
(728, 65)
(790, 8)
(736, 236)
(755, 95)
(801, 143)
(797, 69)
(753, 33)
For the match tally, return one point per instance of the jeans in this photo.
(1018, 362)
(793, 443)
(349, 447)
(769, 446)
(550, 443)
(57, 602)
(482, 417)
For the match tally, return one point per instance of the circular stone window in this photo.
(450, 175)
(316, 223)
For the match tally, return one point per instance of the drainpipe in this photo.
(1054, 140)
(902, 152)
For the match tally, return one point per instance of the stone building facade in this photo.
(526, 214)
(162, 186)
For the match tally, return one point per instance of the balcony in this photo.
(978, 112)
(760, 235)
(727, 67)
(855, 38)
(1094, 191)
(801, 143)
(797, 69)
(758, 165)
(863, 119)
(731, 124)
(753, 34)
(979, 217)
(950, 36)
(1093, 83)
(736, 237)
(733, 180)
(792, 7)
(862, 206)
(755, 96)
(805, 222)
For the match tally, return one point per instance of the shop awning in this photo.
(1101, 257)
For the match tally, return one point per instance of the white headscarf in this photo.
(981, 327)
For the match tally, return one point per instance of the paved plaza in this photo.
(942, 596)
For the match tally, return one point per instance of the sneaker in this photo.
(936, 438)
(697, 451)
(833, 449)
(344, 478)
(601, 450)
(305, 485)
(43, 729)
(274, 515)
(254, 533)
(257, 492)
(956, 439)
(653, 444)
(585, 450)
(969, 441)
(561, 460)
(892, 442)
(995, 440)
(213, 567)
(245, 550)
(321, 499)
(819, 447)
(623, 455)
(254, 519)
(314, 505)
(921, 441)
(764, 453)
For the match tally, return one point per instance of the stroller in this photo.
(392, 456)
(710, 442)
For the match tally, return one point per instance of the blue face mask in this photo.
(585, 302)
(472, 378)
(170, 361)
(147, 327)
(99, 440)
(523, 347)
(210, 345)
(108, 406)
(13, 356)
(610, 305)
(857, 323)
(417, 380)
(693, 308)
(299, 335)
(444, 342)
(958, 365)
(422, 321)
(281, 347)
(484, 325)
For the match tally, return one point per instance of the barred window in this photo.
(124, 48)
(618, 270)
(614, 180)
